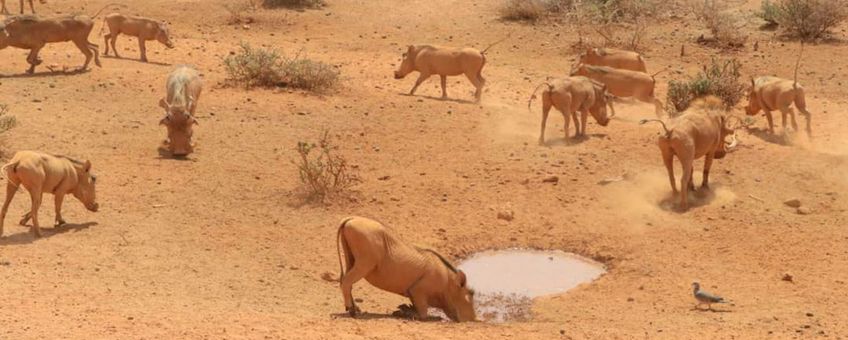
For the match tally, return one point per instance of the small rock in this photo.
(551, 179)
(506, 215)
(794, 203)
(788, 277)
(803, 211)
(810, 315)
(630, 299)
(357, 300)
(384, 178)
(329, 277)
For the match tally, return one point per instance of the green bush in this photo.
(720, 78)
(769, 12)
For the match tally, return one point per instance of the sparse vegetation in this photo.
(6, 122)
(259, 67)
(240, 12)
(769, 12)
(323, 174)
(603, 11)
(720, 78)
(805, 19)
(296, 4)
(724, 26)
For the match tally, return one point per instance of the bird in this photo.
(705, 297)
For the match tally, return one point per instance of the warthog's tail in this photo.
(339, 244)
(533, 96)
(667, 132)
(798, 63)
(105, 7)
(495, 43)
(13, 165)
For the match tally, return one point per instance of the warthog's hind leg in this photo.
(11, 189)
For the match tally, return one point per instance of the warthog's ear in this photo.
(163, 104)
(409, 50)
(191, 121)
(164, 121)
(460, 275)
(87, 166)
(752, 84)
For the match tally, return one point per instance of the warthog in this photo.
(444, 61)
(771, 93)
(623, 83)
(183, 87)
(570, 95)
(373, 252)
(4, 10)
(615, 58)
(43, 173)
(699, 132)
(32, 33)
(142, 28)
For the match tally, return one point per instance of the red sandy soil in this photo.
(218, 246)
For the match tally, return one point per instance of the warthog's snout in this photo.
(93, 207)
(604, 122)
(169, 45)
(398, 75)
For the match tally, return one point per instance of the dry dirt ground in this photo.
(217, 246)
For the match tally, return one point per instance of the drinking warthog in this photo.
(183, 90)
(373, 252)
(42, 173)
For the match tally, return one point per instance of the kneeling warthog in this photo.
(698, 132)
(570, 95)
(142, 28)
(42, 173)
(184, 86)
(32, 33)
(373, 252)
(620, 59)
(444, 61)
(771, 93)
(4, 10)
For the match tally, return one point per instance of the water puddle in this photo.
(506, 281)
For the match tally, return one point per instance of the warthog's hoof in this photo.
(59, 223)
(353, 311)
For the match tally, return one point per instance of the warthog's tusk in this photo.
(733, 142)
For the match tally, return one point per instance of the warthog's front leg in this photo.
(770, 119)
(33, 59)
(444, 85)
(421, 78)
(57, 200)
(143, 49)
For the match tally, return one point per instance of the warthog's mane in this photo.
(73, 160)
(441, 258)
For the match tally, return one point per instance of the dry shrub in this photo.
(6, 122)
(295, 4)
(628, 36)
(522, 10)
(259, 67)
(725, 27)
(805, 19)
(323, 173)
(240, 12)
(720, 78)
(610, 11)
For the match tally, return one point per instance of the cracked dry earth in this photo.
(218, 246)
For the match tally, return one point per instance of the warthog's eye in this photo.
(404, 55)
(93, 179)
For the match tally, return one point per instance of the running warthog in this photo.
(698, 132)
(570, 95)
